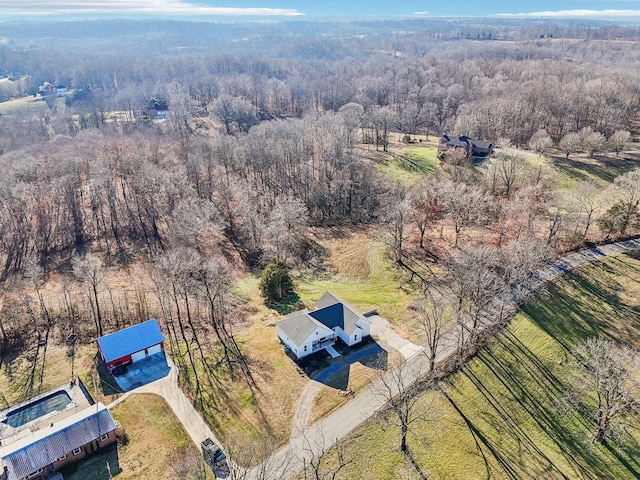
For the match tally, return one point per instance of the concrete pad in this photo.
(332, 351)
(145, 371)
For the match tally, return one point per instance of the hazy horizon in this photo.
(579, 9)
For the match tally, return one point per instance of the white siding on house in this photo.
(299, 350)
(365, 326)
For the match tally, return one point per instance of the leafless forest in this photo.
(273, 130)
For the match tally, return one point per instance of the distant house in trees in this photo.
(157, 109)
(476, 150)
(306, 332)
(48, 89)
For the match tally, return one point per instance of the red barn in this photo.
(131, 344)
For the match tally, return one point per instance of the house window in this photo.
(62, 457)
(76, 451)
(305, 348)
(104, 437)
(34, 474)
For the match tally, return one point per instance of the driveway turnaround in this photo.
(144, 371)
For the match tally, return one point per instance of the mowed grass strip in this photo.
(411, 163)
(504, 415)
(157, 444)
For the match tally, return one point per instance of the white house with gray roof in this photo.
(306, 332)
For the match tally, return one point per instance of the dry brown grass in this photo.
(155, 437)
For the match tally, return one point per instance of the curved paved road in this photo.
(327, 432)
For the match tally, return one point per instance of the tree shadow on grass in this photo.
(603, 167)
(585, 304)
(287, 305)
(514, 390)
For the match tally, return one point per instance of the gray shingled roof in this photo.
(299, 325)
(44, 446)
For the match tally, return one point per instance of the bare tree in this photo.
(88, 270)
(426, 206)
(559, 211)
(570, 143)
(237, 114)
(251, 458)
(284, 231)
(540, 142)
(318, 462)
(627, 191)
(588, 200)
(619, 140)
(395, 216)
(467, 205)
(475, 284)
(436, 315)
(505, 169)
(188, 464)
(592, 141)
(608, 388)
(400, 388)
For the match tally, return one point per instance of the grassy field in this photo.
(23, 105)
(157, 446)
(411, 163)
(500, 417)
(359, 270)
(601, 169)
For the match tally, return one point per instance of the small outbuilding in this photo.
(131, 344)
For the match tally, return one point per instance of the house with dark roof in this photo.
(42, 449)
(475, 150)
(131, 344)
(157, 109)
(306, 332)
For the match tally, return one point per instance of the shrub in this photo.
(275, 282)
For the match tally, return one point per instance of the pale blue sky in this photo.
(594, 9)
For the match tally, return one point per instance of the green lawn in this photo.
(24, 104)
(602, 169)
(364, 276)
(500, 417)
(409, 164)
